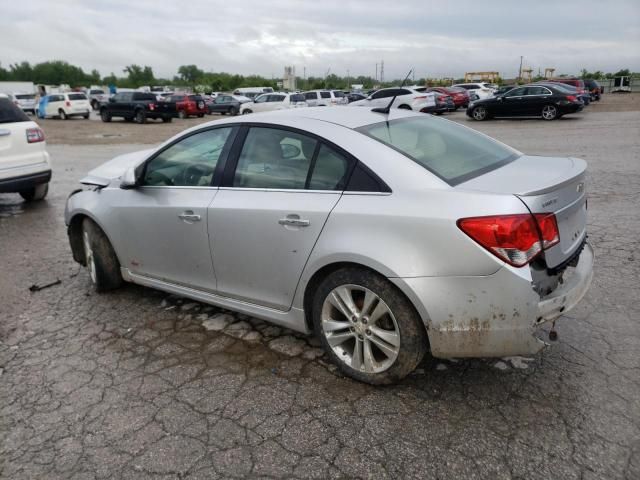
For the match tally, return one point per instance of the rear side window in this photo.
(452, 152)
(296, 97)
(10, 113)
(311, 95)
(325, 94)
(77, 96)
(329, 170)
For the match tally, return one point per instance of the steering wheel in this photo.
(158, 178)
(192, 175)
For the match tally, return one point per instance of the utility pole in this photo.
(382, 71)
(348, 79)
(520, 71)
(304, 76)
(376, 72)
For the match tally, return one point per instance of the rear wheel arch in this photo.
(322, 273)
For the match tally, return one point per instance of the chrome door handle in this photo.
(295, 222)
(189, 217)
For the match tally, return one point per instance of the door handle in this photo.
(294, 222)
(189, 217)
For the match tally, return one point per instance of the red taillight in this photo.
(35, 135)
(67, 103)
(513, 238)
(152, 106)
(572, 98)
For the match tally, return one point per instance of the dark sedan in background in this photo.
(227, 104)
(546, 101)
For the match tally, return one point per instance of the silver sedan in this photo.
(387, 235)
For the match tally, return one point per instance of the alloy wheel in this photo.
(549, 112)
(479, 113)
(88, 254)
(360, 328)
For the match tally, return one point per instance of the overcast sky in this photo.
(443, 38)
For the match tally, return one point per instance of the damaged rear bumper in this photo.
(495, 315)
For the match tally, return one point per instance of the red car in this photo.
(188, 105)
(460, 96)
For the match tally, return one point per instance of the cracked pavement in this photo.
(140, 384)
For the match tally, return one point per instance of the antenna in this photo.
(387, 109)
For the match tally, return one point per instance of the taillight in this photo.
(420, 98)
(516, 239)
(67, 103)
(35, 135)
(572, 98)
(152, 106)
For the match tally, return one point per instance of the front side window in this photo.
(276, 98)
(274, 158)
(452, 152)
(516, 92)
(190, 162)
(261, 99)
(537, 91)
(310, 95)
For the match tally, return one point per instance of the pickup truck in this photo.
(138, 107)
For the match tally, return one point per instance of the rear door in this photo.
(275, 199)
(536, 98)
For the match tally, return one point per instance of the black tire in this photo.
(94, 104)
(182, 114)
(200, 115)
(101, 258)
(247, 111)
(549, 112)
(141, 117)
(413, 340)
(105, 116)
(86, 116)
(167, 119)
(63, 115)
(480, 113)
(233, 111)
(36, 193)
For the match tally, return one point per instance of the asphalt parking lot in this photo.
(139, 384)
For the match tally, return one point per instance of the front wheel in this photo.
(479, 113)
(36, 193)
(367, 326)
(549, 112)
(105, 116)
(100, 258)
(246, 111)
(233, 111)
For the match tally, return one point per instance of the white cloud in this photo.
(437, 38)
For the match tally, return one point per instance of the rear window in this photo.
(10, 113)
(77, 96)
(450, 151)
(96, 92)
(338, 94)
(297, 97)
(25, 96)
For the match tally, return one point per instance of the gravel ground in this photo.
(139, 384)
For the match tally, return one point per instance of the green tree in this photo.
(190, 73)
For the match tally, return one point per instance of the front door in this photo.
(270, 211)
(513, 103)
(163, 223)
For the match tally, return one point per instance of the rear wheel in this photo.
(167, 119)
(100, 258)
(105, 116)
(63, 115)
(367, 326)
(479, 113)
(94, 104)
(36, 193)
(233, 111)
(200, 115)
(86, 116)
(549, 112)
(141, 117)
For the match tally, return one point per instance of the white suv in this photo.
(406, 98)
(268, 102)
(481, 89)
(65, 105)
(325, 98)
(24, 162)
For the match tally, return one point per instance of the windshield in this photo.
(452, 152)
(77, 96)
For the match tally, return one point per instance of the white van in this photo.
(325, 98)
(67, 105)
(252, 92)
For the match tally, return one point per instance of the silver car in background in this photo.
(384, 234)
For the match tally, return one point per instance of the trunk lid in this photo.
(545, 185)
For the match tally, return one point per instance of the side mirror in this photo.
(129, 180)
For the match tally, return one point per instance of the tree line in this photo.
(58, 72)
